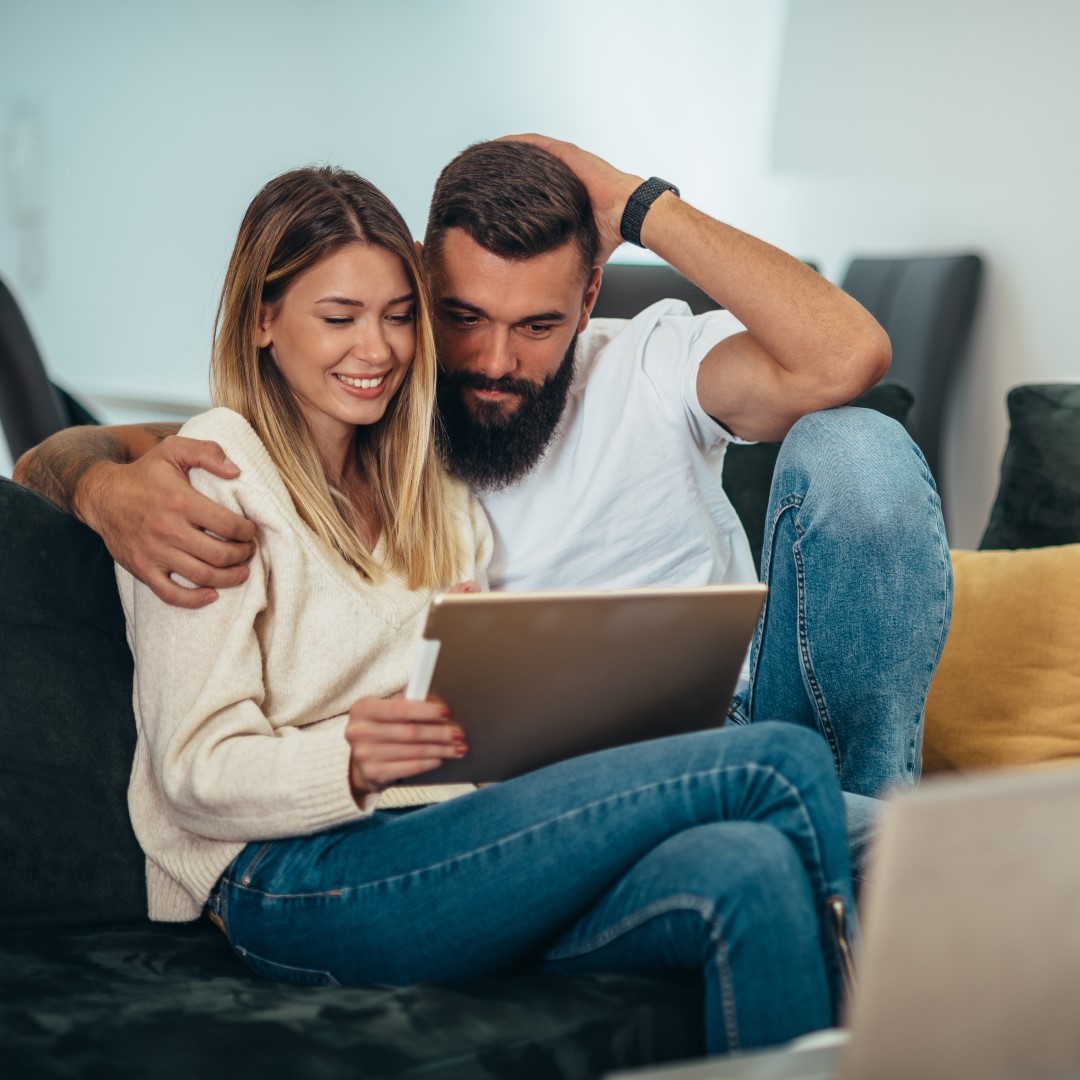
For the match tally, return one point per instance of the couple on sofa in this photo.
(275, 564)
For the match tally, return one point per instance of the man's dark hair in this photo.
(514, 200)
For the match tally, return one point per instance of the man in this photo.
(597, 450)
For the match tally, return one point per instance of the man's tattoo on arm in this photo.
(55, 468)
(161, 431)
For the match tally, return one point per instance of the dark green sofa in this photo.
(90, 988)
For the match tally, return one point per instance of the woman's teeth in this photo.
(362, 384)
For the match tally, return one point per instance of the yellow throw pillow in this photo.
(1007, 691)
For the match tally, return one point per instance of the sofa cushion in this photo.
(748, 470)
(172, 1002)
(67, 852)
(1007, 690)
(1038, 500)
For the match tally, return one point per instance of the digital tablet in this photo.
(534, 678)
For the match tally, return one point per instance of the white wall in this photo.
(939, 126)
(158, 122)
(830, 127)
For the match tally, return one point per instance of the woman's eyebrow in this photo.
(407, 297)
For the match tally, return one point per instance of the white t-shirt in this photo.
(629, 493)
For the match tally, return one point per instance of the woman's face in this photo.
(343, 337)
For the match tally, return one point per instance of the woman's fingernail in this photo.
(457, 734)
(460, 750)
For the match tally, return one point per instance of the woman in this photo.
(269, 729)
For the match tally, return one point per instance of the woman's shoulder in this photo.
(227, 428)
(242, 446)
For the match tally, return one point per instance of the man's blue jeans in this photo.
(721, 854)
(860, 599)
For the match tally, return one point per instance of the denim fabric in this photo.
(714, 854)
(860, 597)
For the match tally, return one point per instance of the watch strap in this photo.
(637, 206)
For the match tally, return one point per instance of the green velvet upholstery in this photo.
(1038, 500)
(90, 988)
(67, 730)
(748, 469)
(172, 1003)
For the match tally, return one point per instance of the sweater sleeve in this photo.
(222, 768)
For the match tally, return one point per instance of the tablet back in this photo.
(535, 678)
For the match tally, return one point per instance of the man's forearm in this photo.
(805, 323)
(56, 467)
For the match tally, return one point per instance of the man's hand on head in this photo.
(608, 188)
(155, 523)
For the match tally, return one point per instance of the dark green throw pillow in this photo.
(67, 729)
(748, 470)
(1038, 500)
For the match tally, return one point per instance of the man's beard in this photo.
(489, 448)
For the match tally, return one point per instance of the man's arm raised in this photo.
(129, 484)
(807, 345)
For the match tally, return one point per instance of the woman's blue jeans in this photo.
(721, 854)
(860, 598)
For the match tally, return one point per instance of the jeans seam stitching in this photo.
(782, 507)
(812, 683)
(946, 617)
(287, 967)
(678, 902)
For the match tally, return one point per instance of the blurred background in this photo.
(133, 136)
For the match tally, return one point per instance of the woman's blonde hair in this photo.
(295, 221)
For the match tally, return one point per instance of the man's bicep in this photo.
(741, 386)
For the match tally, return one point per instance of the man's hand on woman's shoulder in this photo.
(155, 523)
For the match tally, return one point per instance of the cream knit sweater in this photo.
(241, 706)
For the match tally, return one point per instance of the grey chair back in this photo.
(31, 408)
(628, 288)
(927, 305)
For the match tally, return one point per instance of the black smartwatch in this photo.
(637, 206)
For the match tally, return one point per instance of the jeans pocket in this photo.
(240, 871)
(276, 972)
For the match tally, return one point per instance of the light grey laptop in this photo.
(535, 678)
(971, 931)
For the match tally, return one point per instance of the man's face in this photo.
(506, 330)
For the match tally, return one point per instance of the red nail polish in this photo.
(460, 750)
